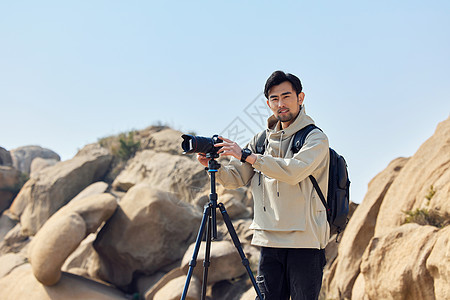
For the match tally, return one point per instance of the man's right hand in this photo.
(203, 159)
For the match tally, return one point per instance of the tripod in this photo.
(209, 220)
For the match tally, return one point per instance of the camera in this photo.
(200, 144)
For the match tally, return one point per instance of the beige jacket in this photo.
(286, 214)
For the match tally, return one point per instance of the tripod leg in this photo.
(238, 246)
(206, 261)
(193, 262)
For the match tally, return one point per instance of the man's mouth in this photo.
(283, 110)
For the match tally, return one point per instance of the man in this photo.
(290, 223)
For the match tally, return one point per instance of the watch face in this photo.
(247, 151)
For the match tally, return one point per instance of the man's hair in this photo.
(279, 77)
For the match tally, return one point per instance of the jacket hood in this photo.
(302, 120)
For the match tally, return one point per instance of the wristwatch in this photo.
(245, 153)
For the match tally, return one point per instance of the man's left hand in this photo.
(229, 148)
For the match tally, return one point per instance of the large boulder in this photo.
(40, 163)
(164, 140)
(394, 266)
(358, 233)
(22, 157)
(438, 264)
(9, 186)
(64, 231)
(96, 188)
(55, 186)
(150, 229)
(427, 171)
(5, 157)
(173, 290)
(226, 263)
(10, 261)
(20, 284)
(173, 173)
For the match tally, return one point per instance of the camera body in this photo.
(200, 144)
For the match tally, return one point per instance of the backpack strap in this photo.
(300, 137)
(299, 141)
(321, 196)
(261, 142)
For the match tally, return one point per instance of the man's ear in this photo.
(301, 97)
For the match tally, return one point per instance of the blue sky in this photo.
(376, 74)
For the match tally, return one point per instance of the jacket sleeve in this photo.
(235, 174)
(301, 165)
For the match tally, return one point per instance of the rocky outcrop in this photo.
(428, 169)
(64, 231)
(21, 284)
(55, 186)
(22, 157)
(158, 228)
(399, 261)
(394, 267)
(164, 171)
(358, 233)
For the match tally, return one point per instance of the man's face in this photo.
(284, 102)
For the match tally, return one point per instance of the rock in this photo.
(6, 224)
(55, 186)
(5, 157)
(235, 208)
(394, 266)
(174, 273)
(94, 189)
(40, 163)
(358, 292)
(82, 258)
(428, 167)
(438, 264)
(174, 289)
(227, 289)
(359, 232)
(48, 250)
(14, 241)
(158, 229)
(172, 173)
(22, 157)
(20, 284)
(9, 186)
(64, 231)
(250, 294)
(226, 263)
(9, 262)
(165, 140)
(146, 283)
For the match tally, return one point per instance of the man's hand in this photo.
(229, 148)
(203, 159)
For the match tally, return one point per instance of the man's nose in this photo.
(281, 103)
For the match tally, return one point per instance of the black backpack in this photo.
(337, 203)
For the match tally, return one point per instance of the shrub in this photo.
(427, 217)
(128, 146)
